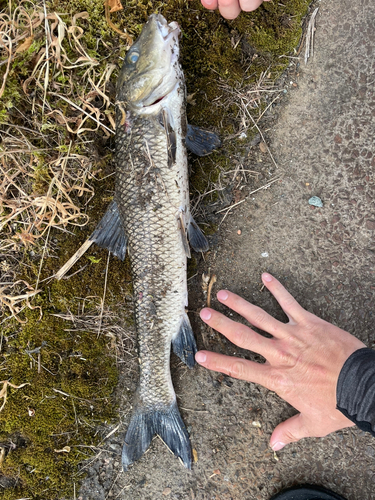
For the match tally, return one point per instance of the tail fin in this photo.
(165, 422)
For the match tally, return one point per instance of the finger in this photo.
(303, 425)
(234, 367)
(249, 5)
(288, 303)
(229, 9)
(239, 334)
(254, 314)
(210, 4)
(290, 431)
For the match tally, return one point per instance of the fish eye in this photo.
(133, 57)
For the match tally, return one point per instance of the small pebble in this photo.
(315, 201)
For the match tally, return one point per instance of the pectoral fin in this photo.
(201, 142)
(109, 232)
(165, 122)
(184, 237)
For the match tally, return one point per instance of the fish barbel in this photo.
(150, 218)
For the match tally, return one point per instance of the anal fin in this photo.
(201, 142)
(109, 232)
(197, 239)
(184, 344)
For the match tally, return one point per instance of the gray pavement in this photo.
(322, 137)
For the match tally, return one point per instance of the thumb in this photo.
(287, 432)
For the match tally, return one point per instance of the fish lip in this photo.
(166, 30)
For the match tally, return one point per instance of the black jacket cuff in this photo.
(355, 393)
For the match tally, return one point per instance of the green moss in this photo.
(79, 364)
(43, 418)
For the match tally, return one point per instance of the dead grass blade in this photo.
(4, 391)
(16, 303)
(114, 6)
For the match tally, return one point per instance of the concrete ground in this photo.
(322, 137)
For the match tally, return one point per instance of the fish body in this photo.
(150, 217)
(152, 194)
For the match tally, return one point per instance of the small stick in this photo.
(210, 285)
(309, 50)
(104, 294)
(61, 273)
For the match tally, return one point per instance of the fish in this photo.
(150, 219)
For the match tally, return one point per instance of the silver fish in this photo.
(150, 217)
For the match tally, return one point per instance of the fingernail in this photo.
(267, 277)
(277, 446)
(200, 357)
(205, 314)
(222, 295)
(208, 2)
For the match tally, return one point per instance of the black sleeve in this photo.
(355, 391)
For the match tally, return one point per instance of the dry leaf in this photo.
(66, 449)
(25, 45)
(114, 5)
(190, 99)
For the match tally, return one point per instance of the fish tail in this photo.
(165, 422)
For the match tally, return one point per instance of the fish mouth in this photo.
(166, 30)
(157, 101)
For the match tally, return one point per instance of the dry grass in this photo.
(259, 98)
(99, 319)
(44, 174)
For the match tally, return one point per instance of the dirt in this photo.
(321, 137)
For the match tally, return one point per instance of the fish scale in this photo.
(149, 200)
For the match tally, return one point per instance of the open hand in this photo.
(230, 9)
(303, 360)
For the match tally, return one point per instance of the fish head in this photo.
(151, 70)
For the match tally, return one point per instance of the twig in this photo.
(49, 227)
(104, 293)
(210, 285)
(266, 186)
(309, 49)
(260, 133)
(61, 273)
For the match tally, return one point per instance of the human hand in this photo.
(230, 9)
(303, 360)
